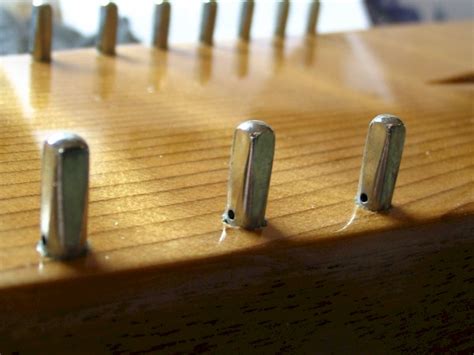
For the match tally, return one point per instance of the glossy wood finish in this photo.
(163, 270)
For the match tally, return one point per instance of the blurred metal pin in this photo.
(107, 34)
(246, 16)
(381, 161)
(41, 32)
(313, 16)
(282, 18)
(64, 196)
(249, 175)
(161, 24)
(208, 22)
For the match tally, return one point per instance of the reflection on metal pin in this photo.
(282, 18)
(208, 22)
(249, 175)
(246, 16)
(41, 32)
(162, 24)
(313, 16)
(107, 34)
(381, 161)
(64, 196)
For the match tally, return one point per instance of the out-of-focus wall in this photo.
(336, 15)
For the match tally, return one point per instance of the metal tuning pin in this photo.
(313, 16)
(208, 22)
(161, 24)
(246, 16)
(249, 175)
(64, 196)
(381, 161)
(41, 32)
(107, 34)
(282, 18)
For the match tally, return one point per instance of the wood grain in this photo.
(159, 125)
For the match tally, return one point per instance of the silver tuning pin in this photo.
(107, 34)
(208, 22)
(249, 175)
(64, 196)
(313, 16)
(282, 18)
(161, 24)
(381, 161)
(41, 32)
(246, 16)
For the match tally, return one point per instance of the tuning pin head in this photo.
(107, 34)
(313, 16)
(381, 162)
(283, 10)
(64, 196)
(208, 22)
(161, 24)
(249, 175)
(41, 32)
(246, 16)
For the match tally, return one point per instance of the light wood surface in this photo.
(160, 125)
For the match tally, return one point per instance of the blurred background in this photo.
(76, 21)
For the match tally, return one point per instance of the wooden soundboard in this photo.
(165, 276)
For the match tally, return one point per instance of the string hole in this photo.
(230, 214)
(363, 198)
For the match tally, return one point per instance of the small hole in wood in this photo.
(363, 198)
(230, 214)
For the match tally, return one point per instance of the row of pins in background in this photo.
(42, 25)
(65, 181)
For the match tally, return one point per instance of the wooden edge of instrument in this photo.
(89, 286)
(353, 284)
